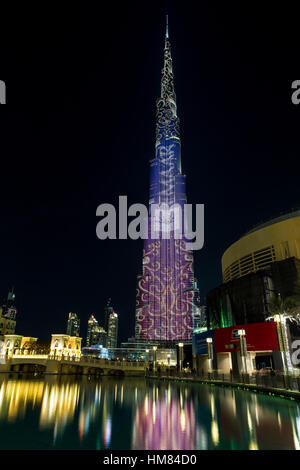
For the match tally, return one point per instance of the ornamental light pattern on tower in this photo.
(164, 309)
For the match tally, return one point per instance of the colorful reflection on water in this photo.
(132, 413)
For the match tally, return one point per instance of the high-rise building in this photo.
(108, 309)
(73, 326)
(200, 319)
(199, 315)
(92, 324)
(165, 293)
(112, 331)
(8, 314)
(101, 337)
(96, 335)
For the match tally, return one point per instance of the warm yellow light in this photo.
(146, 405)
(182, 420)
(253, 445)
(32, 356)
(154, 348)
(154, 412)
(180, 345)
(215, 432)
(241, 332)
(209, 340)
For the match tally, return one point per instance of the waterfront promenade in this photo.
(284, 385)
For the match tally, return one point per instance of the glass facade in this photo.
(96, 335)
(73, 326)
(245, 300)
(112, 332)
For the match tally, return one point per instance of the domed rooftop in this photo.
(284, 216)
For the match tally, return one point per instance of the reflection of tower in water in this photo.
(89, 407)
(214, 421)
(165, 421)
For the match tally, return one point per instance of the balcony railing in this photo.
(278, 381)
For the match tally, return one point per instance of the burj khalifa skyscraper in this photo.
(165, 290)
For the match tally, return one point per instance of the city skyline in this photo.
(150, 231)
(70, 158)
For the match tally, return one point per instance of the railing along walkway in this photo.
(277, 381)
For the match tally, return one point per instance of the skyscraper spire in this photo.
(167, 81)
(167, 122)
(167, 27)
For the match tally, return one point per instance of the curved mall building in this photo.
(264, 261)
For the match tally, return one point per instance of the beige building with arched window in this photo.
(65, 345)
(275, 240)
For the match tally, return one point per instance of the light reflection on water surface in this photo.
(131, 413)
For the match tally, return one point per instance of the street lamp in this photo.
(169, 360)
(154, 358)
(210, 352)
(282, 340)
(243, 350)
(180, 355)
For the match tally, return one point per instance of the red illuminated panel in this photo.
(259, 337)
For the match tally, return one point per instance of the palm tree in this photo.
(288, 306)
(283, 309)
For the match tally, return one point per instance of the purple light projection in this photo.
(165, 425)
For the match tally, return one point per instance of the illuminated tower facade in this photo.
(108, 310)
(8, 314)
(165, 293)
(112, 330)
(95, 333)
(73, 325)
(111, 322)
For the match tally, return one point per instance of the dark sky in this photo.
(78, 130)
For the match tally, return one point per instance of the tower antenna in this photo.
(167, 28)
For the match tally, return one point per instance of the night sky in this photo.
(78, 130)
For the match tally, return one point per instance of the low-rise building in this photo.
(65, 345)
(243, 349)
(17, 344)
